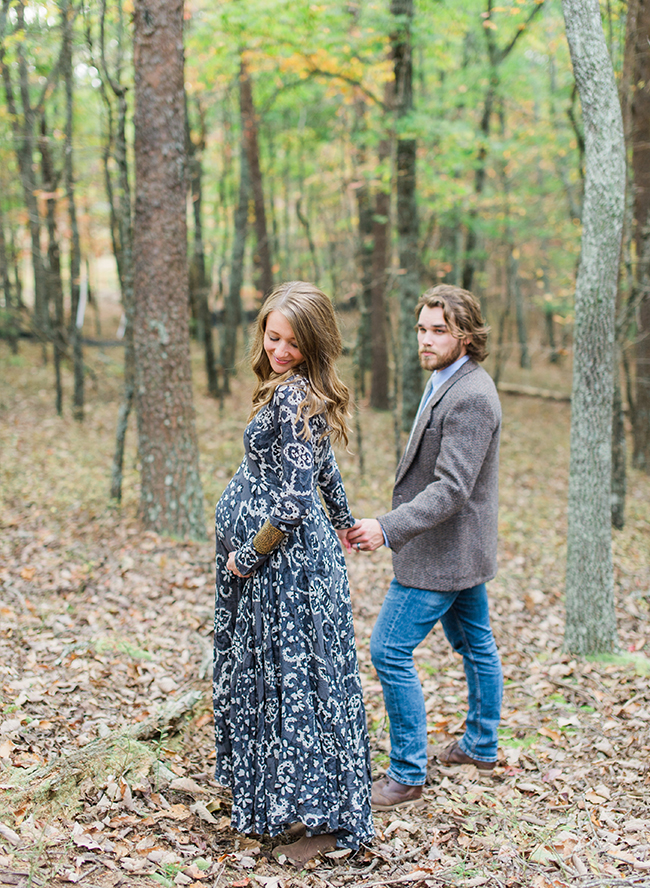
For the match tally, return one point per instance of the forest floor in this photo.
(102, 624)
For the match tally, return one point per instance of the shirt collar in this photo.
(440, 376)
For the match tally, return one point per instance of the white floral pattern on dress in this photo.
(290, 725)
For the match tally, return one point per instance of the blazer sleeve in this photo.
(466, 434)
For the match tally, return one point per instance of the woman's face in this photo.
(280, 344)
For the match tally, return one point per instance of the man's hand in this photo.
(343, 537)
(366, 535)
(230, 564)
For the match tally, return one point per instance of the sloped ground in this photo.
(102, 625)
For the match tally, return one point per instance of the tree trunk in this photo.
(67, 14)
(23, 133)
(232, 304)
(379, 396)
(619, 455)
(640, 113)
(54, 284)
(590, 617)
(303, 218)
(171, 494)
(199, 283)
(249, 127)
(407, 215)
(11, 318)
(121, 219)
(364, 355)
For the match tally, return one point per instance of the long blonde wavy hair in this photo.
(311, 317)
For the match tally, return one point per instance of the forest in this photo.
(163, 166)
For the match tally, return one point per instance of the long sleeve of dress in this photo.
(331, 486)
(296, 482)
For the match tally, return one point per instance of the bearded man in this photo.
(442, 531)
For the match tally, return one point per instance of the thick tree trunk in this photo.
(67, 13)
(640, 114)
(171, 495)
(590, 618)
(407, 215)
(250, 129)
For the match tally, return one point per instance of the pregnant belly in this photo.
(238, 516)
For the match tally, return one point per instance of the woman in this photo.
(289, 719)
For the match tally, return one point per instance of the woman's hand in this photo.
(230, 564)
(343, 536)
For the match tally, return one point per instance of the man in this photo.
(443, 534)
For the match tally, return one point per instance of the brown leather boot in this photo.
(454, 755)
(305, 848)
(388, 794)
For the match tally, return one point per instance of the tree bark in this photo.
(171, 494)
(67, 15)
(11, 319)
(379, 395)
(590, 615)
(640, 126)
(619, 454)
(199, 283)
(232, 303)
(23, 131)
(407, 213)
(250, 133)
(121, 227)
(53, 282)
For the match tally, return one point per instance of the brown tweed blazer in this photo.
(443, 525)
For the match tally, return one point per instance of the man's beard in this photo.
(435, 361)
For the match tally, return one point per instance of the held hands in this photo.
(230, 564)
(366, 535)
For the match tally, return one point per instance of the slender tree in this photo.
(52, 269)
(407, 211)
(10, 315)
(23, 114)
(590, 616)
(199, 280)
(115, 153)
(641, 166)
(171, 495)
(67, 18)
(251, 142)
(232, 304)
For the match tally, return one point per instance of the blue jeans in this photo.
(406, 618)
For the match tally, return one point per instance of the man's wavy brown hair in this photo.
(462, 313)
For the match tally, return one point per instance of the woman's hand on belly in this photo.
(230, 564)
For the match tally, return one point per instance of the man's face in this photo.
(436, 345)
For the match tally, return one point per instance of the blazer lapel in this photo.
(425, 417)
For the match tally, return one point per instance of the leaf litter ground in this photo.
(104, 626)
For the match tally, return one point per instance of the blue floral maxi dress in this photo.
(290, 725)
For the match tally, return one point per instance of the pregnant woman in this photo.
(290, 725)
